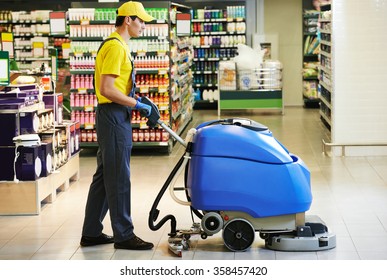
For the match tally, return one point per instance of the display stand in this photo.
(27, 197)
(259, 88)
(250, 99)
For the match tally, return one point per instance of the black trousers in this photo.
(111, 188)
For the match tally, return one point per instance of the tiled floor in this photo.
(350, 195)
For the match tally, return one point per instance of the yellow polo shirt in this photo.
(114, 59)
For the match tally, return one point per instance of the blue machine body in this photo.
(244, 168)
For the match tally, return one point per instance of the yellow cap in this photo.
(133, 8)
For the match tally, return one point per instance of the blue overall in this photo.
(111, 187)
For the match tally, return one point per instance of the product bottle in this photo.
(71, 100)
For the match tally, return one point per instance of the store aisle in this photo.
(350, 195)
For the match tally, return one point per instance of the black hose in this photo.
(153, 214)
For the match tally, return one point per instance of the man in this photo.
(114, 87)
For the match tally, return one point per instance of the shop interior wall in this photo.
(284, 17)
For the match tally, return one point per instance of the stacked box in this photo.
(14, 123)
(54, 101)
(28, 165)
(74, 136)
(45, 155)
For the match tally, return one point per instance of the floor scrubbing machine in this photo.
(240, 180)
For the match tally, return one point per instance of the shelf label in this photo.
(144, 89)
(7, 43)
(163, 71)
(143, 124)
(89, 126)
(141, 53)
(163, 89)
(85, 22)
(82, 90)
(161, 53)
(38, 49)
(66, 49)
(89, 108)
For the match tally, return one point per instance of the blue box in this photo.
(45, 155)
(14, 123)
(28, 164)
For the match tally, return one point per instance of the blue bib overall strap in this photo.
(133, 76)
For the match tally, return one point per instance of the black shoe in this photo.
(91, 241)
(135, 243)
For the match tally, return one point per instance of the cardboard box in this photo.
(28, 165)
(54, 101)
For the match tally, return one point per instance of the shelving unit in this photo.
(217, 30)
(181, 74)
(28, 197)
(250, 89)
(31, 32)
(325, 69)
(310, 59)
(153, 59)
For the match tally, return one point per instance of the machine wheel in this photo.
(238, 235)
(203, 235)
(212, 223)
(264, 235)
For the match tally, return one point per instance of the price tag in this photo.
(143, 124)
(89, 126)
(89, 108)
(163, 89)
(85, 22)
(141, 53)
(163, 71)
(82, 90)
(144, 89)
(66, 49)
(38, 49)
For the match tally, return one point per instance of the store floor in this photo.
(350, 195)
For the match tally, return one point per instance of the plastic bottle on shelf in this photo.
(92, 117)
(71, 100)
(87, 101)
(82, 118)
(135, 135)
(152, 135)
(89, 135)
(166, 61)
(158, 135)
(72, 82)
(82, 81)
(95, 136)
(81, 100)
(87, 117)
